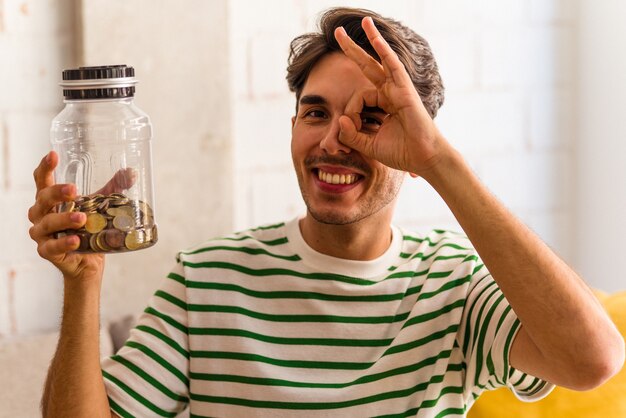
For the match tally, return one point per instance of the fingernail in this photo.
(48, 158)
(67, 190)
(77, 216)
(73, 240)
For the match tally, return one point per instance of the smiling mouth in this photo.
(335, 178)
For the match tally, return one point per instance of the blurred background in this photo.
(535, 99)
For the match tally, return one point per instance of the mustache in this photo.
(346, 161)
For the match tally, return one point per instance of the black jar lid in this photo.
(99, 82)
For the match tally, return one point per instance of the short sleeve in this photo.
(488, 329)
(149, 376)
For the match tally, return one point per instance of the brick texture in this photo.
(221, 108)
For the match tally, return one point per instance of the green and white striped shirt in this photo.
(260, 324)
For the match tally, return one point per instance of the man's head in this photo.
(340, 185)
(413, 50)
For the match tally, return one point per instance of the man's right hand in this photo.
(46, 221)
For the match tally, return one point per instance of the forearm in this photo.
(558, 311)
(74, 386)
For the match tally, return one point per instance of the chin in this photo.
(335, 217)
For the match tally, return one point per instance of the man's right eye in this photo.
(315, 113)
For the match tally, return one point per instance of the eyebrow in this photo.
(312, 99)
(315, 99)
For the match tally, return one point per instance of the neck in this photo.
(363, 240)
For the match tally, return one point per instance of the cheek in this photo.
(302, 143)
(393, 179)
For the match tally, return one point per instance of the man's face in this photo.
(339, 185)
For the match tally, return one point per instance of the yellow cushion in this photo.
(608, 400)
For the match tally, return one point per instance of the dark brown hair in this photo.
(413, 50)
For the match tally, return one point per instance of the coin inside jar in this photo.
(115, 223)
(114, 238)
(123, 222)
(95, 223)
(135, 239)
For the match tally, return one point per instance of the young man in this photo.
(340, 313)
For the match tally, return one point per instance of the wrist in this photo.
(81, 291)
(448, 166)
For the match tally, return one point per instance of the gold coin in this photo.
(67, 207)
(118, 199)
(113, 211)
(95, 223)
(151, 235)
(134, 239)
(103, 205)
(93, 243)
(145, 208)
(101, 241)
(123, 222)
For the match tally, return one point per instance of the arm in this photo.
(566, 337)
(74, 386)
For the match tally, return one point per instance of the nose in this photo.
(330, 143)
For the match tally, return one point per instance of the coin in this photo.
(115, 223)
(101, 241)
(93, 245)
(67, 206)
(114, 238)
(123, 222)
(95, 223)
(134, 239)
(115, 211)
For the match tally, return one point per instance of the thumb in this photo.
(351, 137)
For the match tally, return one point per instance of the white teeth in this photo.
(336, 178)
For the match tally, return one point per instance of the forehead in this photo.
(335, 75)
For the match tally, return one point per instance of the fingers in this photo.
(350, 136)
(56, 222)
(48, 198)
(390, 67)
(52, 249)
(44, 173)
(42, 233)
(357, 101)
(122, 180)
(371, 68)
(389, 59)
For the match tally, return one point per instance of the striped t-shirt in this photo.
(260, 324)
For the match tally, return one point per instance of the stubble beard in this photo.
(371, 205)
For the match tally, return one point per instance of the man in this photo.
(339, 313)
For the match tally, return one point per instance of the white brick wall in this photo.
(6, 293)
(507, 66)
(180, 54)
(36, 43)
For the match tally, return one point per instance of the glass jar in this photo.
(104, 145)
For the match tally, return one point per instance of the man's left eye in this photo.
(370, 122)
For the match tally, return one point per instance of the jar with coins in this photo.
(104, 145)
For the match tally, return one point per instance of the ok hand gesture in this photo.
(408, 139)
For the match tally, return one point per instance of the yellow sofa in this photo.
(606, 401)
